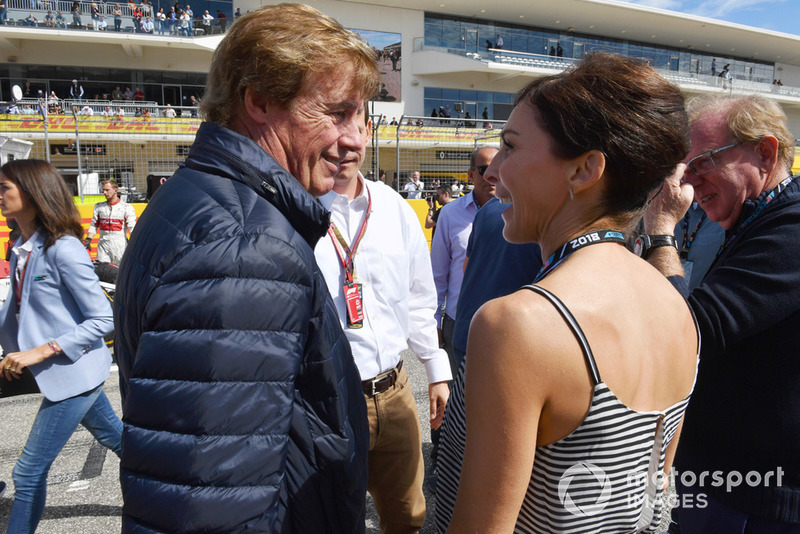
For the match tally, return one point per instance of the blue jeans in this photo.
(54, 424)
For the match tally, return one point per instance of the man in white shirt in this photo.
(376, 265)
(415, 186)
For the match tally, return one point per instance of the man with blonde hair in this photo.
(738, 449)
(242, 405)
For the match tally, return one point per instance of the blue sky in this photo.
(775, 15)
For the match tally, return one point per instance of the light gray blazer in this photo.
(62, 301)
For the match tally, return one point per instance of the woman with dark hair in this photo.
(53, 325)
(566, 410)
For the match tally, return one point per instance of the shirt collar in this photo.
(27, 246)
(332, 197)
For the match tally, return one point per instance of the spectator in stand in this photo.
(222, 20)
(169, 112)
(138, 96)
(193, 103)
(184, 24)
(53, 103)
(12, 109)
(117, 25)
(87, 111)
(3, 12)
(147, 25)
(95, 12)
(207, 18)
(136, 16)
(76, 91)
(102, 26)
(116, 94)
(161, 21)
(49, 20)
(28, 110)
(172, 21)
(237, 14)
(190, 18)
(30, 20)
(120, 113)
(146, 9)
(128, 94)
(394, 122)
(108, 112)
(76, 15)
(61, 22)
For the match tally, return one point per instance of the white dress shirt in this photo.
(393, 266)
(449, 250)
(414, 189)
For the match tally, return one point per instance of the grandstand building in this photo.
(434, 56)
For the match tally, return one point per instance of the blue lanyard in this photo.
(565, 250)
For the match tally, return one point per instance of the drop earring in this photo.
(571, 194)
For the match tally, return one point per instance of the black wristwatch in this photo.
(644, 244)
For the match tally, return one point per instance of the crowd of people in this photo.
(269, 290)
(34, 101)
(177, 20)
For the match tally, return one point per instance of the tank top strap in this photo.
(573, 325)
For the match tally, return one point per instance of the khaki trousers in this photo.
(396, 469)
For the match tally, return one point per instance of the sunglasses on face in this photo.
(481, 169)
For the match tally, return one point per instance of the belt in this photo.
(381, 383)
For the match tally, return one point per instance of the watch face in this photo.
(638, 246)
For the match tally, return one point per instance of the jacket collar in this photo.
(220, 151)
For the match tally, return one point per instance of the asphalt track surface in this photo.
(83, 493)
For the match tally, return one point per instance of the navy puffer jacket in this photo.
(242, 405)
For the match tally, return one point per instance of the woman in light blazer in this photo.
(53, 323)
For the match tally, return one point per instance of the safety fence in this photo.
(439, 148)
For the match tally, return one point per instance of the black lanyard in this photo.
(589, 238)
(688, 238)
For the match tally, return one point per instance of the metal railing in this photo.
(19, 10)
(681, 78)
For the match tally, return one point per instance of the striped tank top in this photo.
(606, 476)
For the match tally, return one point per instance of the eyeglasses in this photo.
(704, 163)
(481, 169)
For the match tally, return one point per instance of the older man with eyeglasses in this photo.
(743, 423)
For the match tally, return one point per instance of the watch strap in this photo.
(655, 241)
